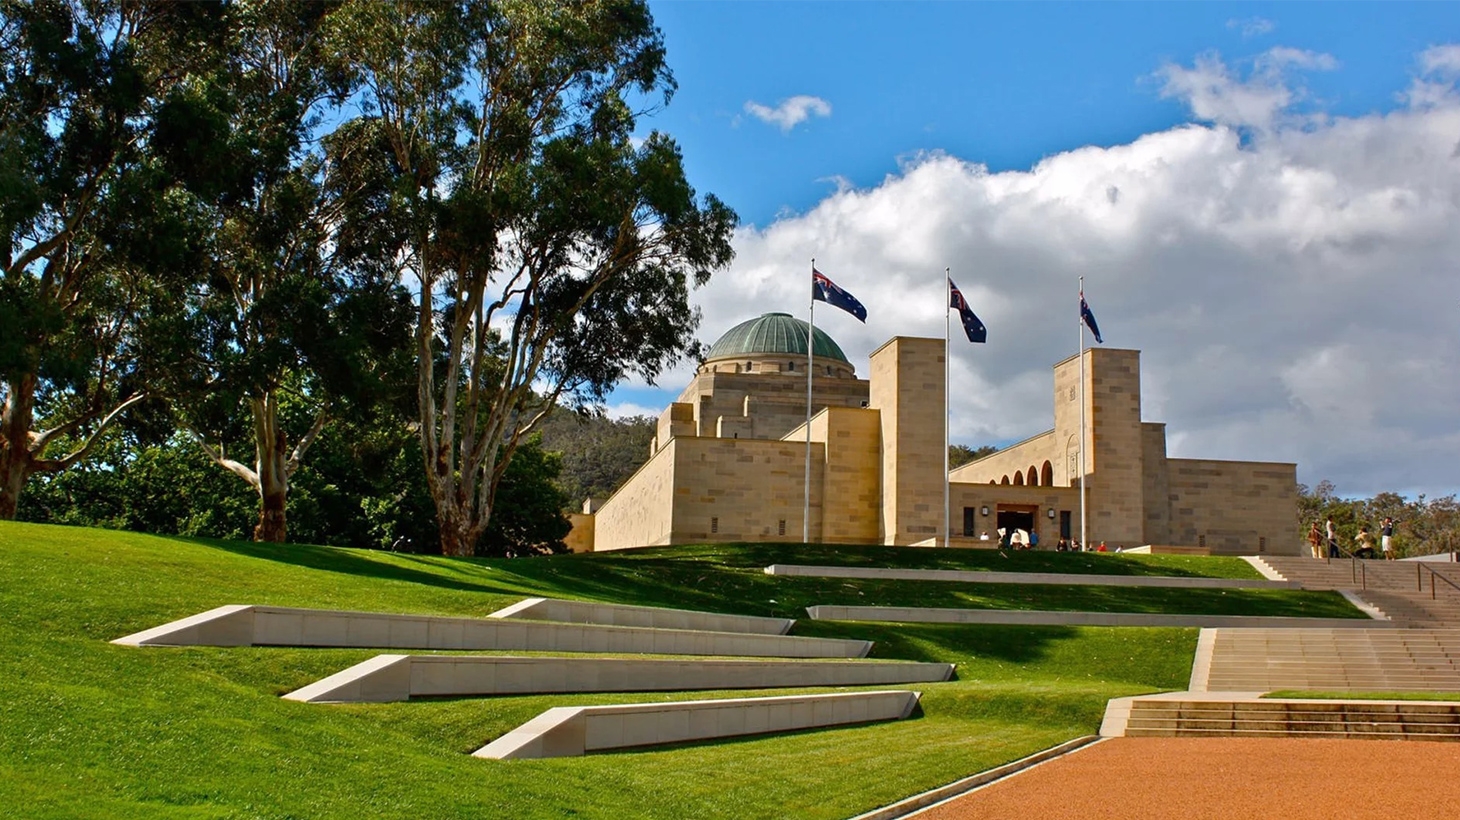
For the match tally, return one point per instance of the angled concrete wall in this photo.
(1057, 578)
(898, 614)
(576, 730)
(587, 612)
(401, 677)
(285, 626)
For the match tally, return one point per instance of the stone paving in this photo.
(1225, 779)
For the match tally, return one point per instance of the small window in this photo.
(714, 525)
(791, 366)
(1262, 544)
(781, 527)
(1201, 540)
(828, 370)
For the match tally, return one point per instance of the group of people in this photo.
(1363, 542)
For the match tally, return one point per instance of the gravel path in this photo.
(1228, 779)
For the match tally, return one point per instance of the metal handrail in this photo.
(1433, 575)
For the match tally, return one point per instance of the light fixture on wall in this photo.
(984, 509)
(1050, 511)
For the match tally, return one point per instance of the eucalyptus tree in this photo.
(550, 251)
(84, 216)
(275, 321)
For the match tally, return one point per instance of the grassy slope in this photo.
(91, 729)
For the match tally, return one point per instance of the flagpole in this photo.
(810, 340)
(1080, 319)
(947, 303)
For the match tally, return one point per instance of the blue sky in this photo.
(1003, 84)
(1264, 199)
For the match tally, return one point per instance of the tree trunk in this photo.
(271, 466)
(12, 481)
(272, 526)
(15, 454)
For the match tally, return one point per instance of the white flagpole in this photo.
(810, 340)
(947, 303)
(1084, 544)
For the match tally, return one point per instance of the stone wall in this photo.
(729, 490)
(1156, 475)
(907, 385)
(851, 488)
(638, 515)
(1234, 506)
(1015, 460)
(768, 401)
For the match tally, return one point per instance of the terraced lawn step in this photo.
(835, 612)
(401, 677)
(587, 612)
(568, 731)
(1054, 578)
(243, 625)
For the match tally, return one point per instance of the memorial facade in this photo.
(728, 461)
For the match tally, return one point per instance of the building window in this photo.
(828, 370)
(1201, 540)
(791, 366)
(1262, 544)
(781, 527)
(969, 522)
(714, 525)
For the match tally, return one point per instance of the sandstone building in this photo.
(728, 460)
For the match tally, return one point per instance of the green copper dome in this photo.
(773, 334)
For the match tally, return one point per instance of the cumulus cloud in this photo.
(1439, 67)
(1252, 26)
(789, 112)
(1260, 101)
(1294, 297)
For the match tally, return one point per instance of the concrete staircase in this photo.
(1399, 589)
(1353, 660)
(1252, 717)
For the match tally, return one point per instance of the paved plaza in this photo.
(1226, 779)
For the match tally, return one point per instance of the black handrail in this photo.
(1434, 573)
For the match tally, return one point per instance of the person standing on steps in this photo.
(1332, 538)
(1386, 538)
(1315, 540)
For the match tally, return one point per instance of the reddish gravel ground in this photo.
(1228, 779)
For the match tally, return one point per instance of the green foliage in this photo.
(1422, 526)
(599, 454)
(959, 454)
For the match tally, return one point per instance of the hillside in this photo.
(91, 729)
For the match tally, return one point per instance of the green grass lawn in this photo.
(95, 730)
(1305, 694)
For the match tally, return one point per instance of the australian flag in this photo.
(1089, 318)
(826, 290)
(974, 329)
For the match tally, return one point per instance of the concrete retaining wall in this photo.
(584, 612)
(1050, 618)
(400, 677)
(575, 730)
(284, 626)
(1062, 578)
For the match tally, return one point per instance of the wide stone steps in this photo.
(1338, 660)
(1383, 720)
(1403, 591)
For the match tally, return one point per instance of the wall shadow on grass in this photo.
(344, 560)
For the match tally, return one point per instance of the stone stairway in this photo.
(1353, 660)
(1252, 717)
(1399, 589)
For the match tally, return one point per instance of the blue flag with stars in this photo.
(1089, 318)
(972, 327)
(825, 290)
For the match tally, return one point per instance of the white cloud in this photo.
(1261, 101)
(1439, 67)
(628, 409)
(1294, 297)
(1443, 60)
(1252, 26)
(789, 112)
